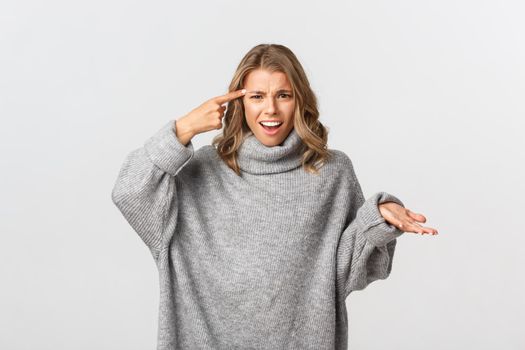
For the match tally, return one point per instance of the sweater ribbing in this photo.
(256, 158)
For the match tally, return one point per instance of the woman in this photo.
(261, 236)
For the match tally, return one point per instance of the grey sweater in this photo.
(259, 261)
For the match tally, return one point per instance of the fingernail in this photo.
(243, 91)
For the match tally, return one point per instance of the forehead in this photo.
(263, 79)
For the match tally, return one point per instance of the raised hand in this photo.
(208, 116)
(404, 219)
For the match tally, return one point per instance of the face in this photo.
(269, 97)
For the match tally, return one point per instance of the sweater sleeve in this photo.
(145, 190)
(366, 246)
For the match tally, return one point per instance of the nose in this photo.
(270, 109)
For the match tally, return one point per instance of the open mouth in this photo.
(271, 127)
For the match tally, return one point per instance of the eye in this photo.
(287, 95)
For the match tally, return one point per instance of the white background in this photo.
(426, 97)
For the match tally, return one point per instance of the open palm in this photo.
(404, 219)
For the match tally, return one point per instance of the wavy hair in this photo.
(275, 58)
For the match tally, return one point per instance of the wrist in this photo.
(183, 130)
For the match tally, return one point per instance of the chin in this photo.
(272, 140)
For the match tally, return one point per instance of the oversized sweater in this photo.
(264, 260)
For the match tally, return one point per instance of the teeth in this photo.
(271, 123)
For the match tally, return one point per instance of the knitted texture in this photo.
(264, 260)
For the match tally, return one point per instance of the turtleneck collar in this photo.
(256, 158)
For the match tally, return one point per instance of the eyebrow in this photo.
(264, 93)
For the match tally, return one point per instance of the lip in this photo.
(272, 132)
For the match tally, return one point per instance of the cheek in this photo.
(288, 108)
(252, 110)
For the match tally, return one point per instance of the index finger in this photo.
(230, 96)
